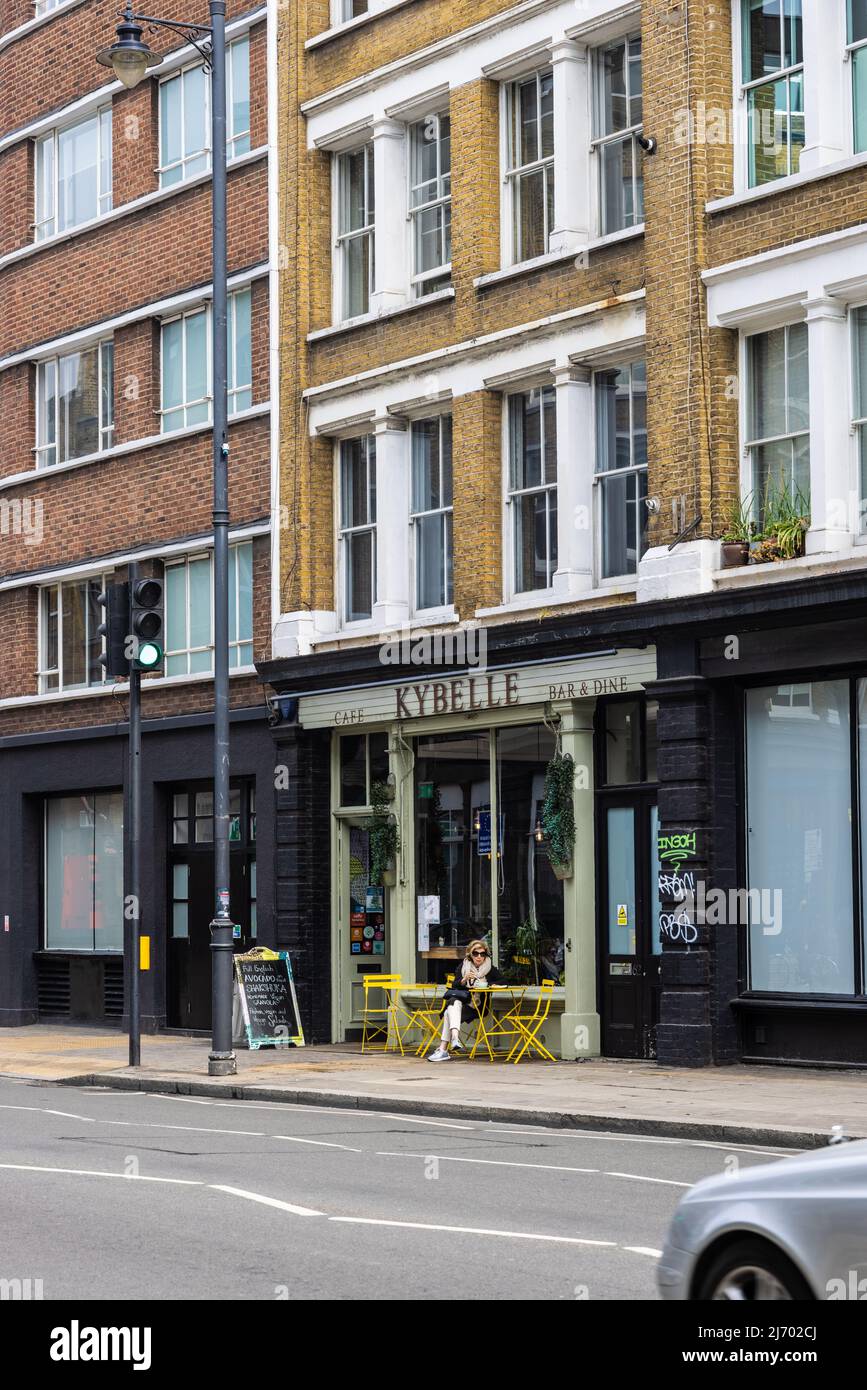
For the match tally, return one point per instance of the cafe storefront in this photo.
(465, 758)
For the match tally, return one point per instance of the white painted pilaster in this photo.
(579, 1025)
(830, 446)
(391, 272)
(571, 229)
(575, 454)
(824, 78)
(392, 523)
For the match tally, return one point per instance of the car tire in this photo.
(752, 1271)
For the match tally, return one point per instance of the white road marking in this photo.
(265, 1201)
(318, 1109)
(643, 1139)
(643, 1250)
(98, 1173)
(490, 1162)
(41, 1110)
(471, 1231)
(639, 1177)
(320, 1143)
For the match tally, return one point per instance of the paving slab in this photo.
(781, 1106)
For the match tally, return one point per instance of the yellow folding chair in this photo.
(379, 1014)
(526, 1025)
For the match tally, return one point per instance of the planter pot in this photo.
(562, 871)
(389, 876)
(735, 553)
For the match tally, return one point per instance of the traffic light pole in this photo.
(221, 1061)
(134, 782)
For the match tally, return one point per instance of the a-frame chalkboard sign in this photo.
(268, 1003)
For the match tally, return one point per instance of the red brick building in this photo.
(105, 457)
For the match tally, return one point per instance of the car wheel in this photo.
(752, 1272)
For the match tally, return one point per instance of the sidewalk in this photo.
(781, 1106)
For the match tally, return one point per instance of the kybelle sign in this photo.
(457, 695)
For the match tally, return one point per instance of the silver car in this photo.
(794, 1229)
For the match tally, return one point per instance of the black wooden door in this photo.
(629, 924)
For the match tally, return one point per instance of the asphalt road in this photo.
(107, 1194)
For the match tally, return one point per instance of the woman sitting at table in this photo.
(477, 972)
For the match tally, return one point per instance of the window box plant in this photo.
(785, 522)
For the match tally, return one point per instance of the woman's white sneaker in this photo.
(441, 1055)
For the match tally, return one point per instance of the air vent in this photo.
(113, 989)
(53, 987)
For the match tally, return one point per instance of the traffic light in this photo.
(114, 603)
(146, 624)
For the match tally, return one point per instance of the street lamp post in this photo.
(130, 57)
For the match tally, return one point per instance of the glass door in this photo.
(362, 934)
(631, 947)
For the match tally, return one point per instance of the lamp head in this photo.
(129, 56)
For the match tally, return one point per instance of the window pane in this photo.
(49, 614)
(357, 276)
(46, 424)
(613, 420)
(354, 214)
(69, 873)
(425, 466)
(239, 116)
(526, 440)
(108, 921)
(244, 561)
(353, 770)
(170, 122)
(793, 33)
(79, 404)
(762, 38)
(172, 364)
(446, 459)
(429, 239)
(105, 160)
(857, 20)
(196, 113)
(799, 838)
(175, 614)
(45, 185)
(613, 77)
(527, 147)
(94, 642)
(430, 540)
(621, 880)
(425, 184)
(799, 378)
(859, 80)
(634, 75)
(530, 216)
(200, 604)
(623, 523)
(546, 99)
(767, 355)
(74, 634)
(530, 897)
(360, 559)
(77, 173)
(107, 400)
(531, 542)
(355, 504)
(243, 349)
(197, 356)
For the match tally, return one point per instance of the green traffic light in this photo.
(150, 654)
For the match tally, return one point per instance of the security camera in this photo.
(647, 143)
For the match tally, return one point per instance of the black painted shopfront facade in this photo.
(744, 892)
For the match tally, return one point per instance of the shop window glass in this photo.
(622, 743)
(651, 717)
(353, 770)
(454, 844)
(621, 880)
(529, 895)
(84, 872)
(799, 838)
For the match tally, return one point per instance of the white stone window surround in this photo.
(828, 97)
(820, 282)
(563, 353)
(381, 105)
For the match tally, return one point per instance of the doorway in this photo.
(190, 905)
(363, 946)
(631, 950)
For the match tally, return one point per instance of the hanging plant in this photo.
(384, 834)
(558, 813)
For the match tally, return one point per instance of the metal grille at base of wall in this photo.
(53, 988)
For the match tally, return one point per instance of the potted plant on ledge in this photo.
(740, 529)
(558, 814)
(384, 837)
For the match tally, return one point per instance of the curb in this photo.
(522, 1115)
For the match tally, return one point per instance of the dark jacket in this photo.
(461, 994)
